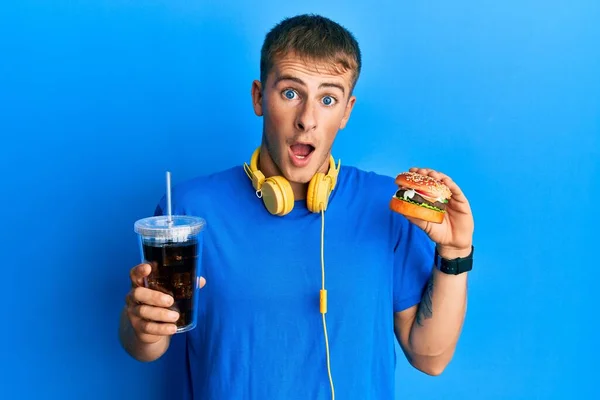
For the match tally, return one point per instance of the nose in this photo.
(306, 120)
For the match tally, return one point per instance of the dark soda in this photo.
(174, 273)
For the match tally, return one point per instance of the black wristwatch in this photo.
(455, 266)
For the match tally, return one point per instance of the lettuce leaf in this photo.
(421, 204)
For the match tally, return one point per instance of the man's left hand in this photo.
(454, 235)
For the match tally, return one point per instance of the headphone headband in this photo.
(258, 178)
(277, 193)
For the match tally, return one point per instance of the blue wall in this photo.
(99, 98)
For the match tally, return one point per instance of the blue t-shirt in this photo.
(260, 333)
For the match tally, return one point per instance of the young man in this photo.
(261, 332)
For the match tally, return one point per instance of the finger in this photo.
(138, 273)
(202, 282)
(143, 337)
(422, 171)
(424, 225)
(429, 172)
(419, 170)
(435, 174)
(145, 327)
(129, 300)
(155, 314)
(440, 176)
(457, 193)
(151, 297)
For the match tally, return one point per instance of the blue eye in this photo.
(328, 100)
(289, 94)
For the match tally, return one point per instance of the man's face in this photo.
(303, 107)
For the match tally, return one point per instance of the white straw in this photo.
(169, 218)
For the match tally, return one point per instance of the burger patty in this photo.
(418, 199)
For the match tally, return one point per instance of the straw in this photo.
(169, 218)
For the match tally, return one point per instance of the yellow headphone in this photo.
(277, 194)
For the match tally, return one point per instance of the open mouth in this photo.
(300, 154)
(301, 150)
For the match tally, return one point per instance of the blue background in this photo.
(99, 98)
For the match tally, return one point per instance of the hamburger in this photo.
(421, 197)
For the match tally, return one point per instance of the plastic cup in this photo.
(173, 248)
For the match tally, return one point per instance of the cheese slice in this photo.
(410, 193)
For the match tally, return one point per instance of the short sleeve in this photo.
(413, 264)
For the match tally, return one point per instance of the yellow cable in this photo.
(323, 304)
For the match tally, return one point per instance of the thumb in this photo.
(138, 273)
(201, 282)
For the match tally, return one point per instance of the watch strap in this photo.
(454, 266)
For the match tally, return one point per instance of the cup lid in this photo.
(178, 229)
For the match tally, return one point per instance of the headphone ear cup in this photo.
(317, 196)
(277, 195)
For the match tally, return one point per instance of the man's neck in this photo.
(268, 168)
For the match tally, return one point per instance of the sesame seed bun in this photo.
(426, 184)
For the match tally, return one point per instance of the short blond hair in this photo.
(314, 38)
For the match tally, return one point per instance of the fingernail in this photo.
(166, 300)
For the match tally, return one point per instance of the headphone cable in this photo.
(323, 302)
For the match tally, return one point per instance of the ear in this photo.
(257, 98)
(347, 111)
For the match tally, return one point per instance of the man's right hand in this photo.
(148, 310)
(147, 323)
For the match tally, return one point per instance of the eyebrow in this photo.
(301, 82)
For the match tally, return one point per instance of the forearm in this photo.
(440, 315)
(140, 351)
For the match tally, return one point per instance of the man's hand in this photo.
(148, 310)
(454, 236)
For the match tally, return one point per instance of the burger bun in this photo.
(413, 210)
